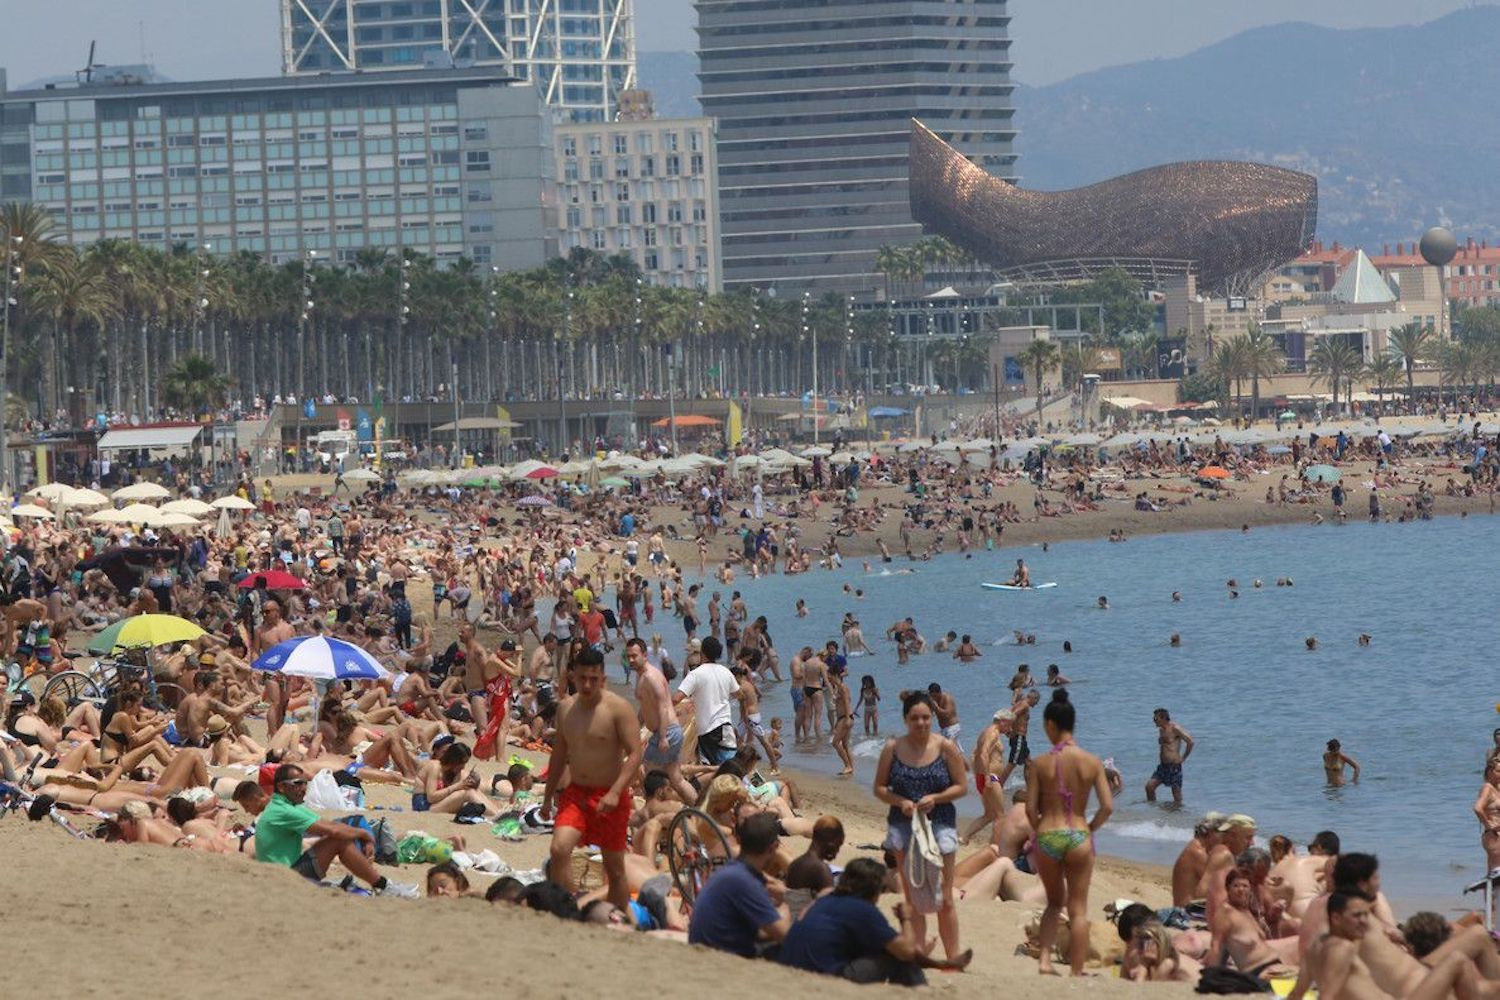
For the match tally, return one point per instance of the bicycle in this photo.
(692, 855)
(15, 799)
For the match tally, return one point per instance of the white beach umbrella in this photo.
(188, 506)
(816, 451)
(32, 510)
(87, 498)
(110, 516)
(232, 502)
(361, 476)
(170, 519)
(978, 444)
(139, 511)
(143, 491)
(51, 492)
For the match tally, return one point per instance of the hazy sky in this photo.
(1055, 39)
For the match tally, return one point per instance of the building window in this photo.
(476, 133)
(622, 191)
(648, 166)
(477, 161)
(570, 146)
(621, 144)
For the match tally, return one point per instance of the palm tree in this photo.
(1333, 361)
(1411, 344)
(1231, 363)
(1040, 356)
(1263, 359)
(1384, 371)
(194, 385)
(1079, 359)
(1456, 361)
(71, 291)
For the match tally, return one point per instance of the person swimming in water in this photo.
(1334, 762)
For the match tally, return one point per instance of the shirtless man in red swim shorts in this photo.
(598, 745)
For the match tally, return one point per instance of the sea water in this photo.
(1415, 707)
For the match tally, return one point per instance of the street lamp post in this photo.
(302, 316)
(403, 314)
(13, 275)
(808, 330)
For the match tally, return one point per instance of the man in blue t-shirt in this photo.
(845, 934)
(740, 910)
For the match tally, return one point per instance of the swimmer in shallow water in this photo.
(1334, 762)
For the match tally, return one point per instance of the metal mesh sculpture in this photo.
(1227, 222)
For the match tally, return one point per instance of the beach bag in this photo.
(324, 793)
(385, 842)
(1220, 979)
(924, 866)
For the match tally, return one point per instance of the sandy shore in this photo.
(127, 901)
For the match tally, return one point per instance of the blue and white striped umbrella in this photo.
(321, 658)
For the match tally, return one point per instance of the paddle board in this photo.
(1011, 586)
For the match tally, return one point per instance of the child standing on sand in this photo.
(869, 697)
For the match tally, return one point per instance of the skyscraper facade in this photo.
(814, 102)
(579, 53)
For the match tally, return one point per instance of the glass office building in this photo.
(449, 163)
(815, 101)
(579, 53)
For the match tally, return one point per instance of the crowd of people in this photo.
(507, 664)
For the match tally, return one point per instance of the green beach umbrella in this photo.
(1323, 474)
(615, 482)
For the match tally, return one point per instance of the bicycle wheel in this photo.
(73, 687)
(35, 684)
(696, 847)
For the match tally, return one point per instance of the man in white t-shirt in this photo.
(712, 688)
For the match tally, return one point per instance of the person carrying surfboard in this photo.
(1023, 575)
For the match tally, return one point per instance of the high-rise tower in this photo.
(814, 102)
(579, 53)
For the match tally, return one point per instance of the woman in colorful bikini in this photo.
(1062, 853)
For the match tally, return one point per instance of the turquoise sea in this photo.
(1415, 708)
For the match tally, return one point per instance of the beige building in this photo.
(646, 188)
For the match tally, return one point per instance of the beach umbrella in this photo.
(1322, 474)
(886, 412)
(420, 477)
(1288, 415)
(110, 516)
(614, 483)
(816, 451)
(533, 501)
(188, 506)
(361, 476)
(31, 510)
(1082, 440)
(171, 519)
(144, 631)
(912, 446)
(1278, 449)
(138, 512)
(143, 491)
(276, 579)
(617, 460)
(841, 457)
(1213, 472)
(321, 658)
(87, 498)
(232, 502)
(51, 492)
(525, 470)
(687, 420)
(222, 527)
